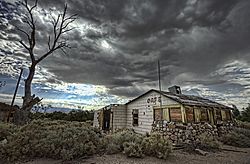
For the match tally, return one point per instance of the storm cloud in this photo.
(202, 45)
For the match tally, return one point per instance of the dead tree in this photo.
(55, 42)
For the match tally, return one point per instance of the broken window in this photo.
(204, 115)
(228, 115)
(158, 112)
(218, 115)
(135, 117)
(190, 114)
(175, 114)
(225, 115)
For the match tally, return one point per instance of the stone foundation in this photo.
(180, 133)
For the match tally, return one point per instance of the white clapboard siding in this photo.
(146, 114)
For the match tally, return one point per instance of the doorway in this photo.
(106, 119)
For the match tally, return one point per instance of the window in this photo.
(228, 115)
(225, 115)
(135, 117)
(204, 115)
(190, 114)
(218, 115)
(175, 114)
(158, 114)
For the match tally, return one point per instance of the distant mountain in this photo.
(57, 109)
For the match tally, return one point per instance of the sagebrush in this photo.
(239, 137)
(71, 140)
(52, 139)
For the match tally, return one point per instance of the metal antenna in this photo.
(159, 78)
(159, 75)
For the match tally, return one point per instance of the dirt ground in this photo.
(177, 157)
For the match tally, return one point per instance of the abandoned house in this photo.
(154, 105)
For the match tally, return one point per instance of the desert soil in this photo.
(177, 157)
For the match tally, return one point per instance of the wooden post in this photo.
(13, 100)
(17, 85)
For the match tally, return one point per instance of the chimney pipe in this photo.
(175, 89)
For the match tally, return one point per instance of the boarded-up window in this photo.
(228, 115)
(175, 114)
(135, 117)
(157, 114)
(197, 113)
(211, 115)
(190, 114)
(218, 115)
(204, 115)
(166, 114)
(225, 115)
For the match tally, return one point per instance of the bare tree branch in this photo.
(27, 35)
(60, 26)
(49, 43)
(24, 45)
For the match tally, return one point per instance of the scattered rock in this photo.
(182, 132)
(201, 152)
(3, 142)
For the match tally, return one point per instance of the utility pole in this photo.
(14, 97)
(159, 78)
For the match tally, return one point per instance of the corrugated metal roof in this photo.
(192, 100)
(187, 99)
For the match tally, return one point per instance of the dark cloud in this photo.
(117, 43)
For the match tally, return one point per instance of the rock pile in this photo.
(187, 133)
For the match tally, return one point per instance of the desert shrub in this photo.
(156, 145)
(236, 138)
(70, 140)
(6, 130)
(114, 143)
(204, 142)
(51, 139)
(241, 124)
(243, 131)
(133, 149)
(208, 142)
(245, 114)
(136, 145)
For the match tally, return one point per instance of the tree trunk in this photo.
(22, 115)
(27, 93)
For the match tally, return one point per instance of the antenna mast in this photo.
(159, 78)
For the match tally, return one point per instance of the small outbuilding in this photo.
(111, 117)
(154, 105)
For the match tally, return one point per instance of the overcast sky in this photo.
(202, 45)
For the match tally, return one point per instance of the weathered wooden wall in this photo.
(118, 119)
(96, 121)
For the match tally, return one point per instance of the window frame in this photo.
(135, 117)
(171, 109)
